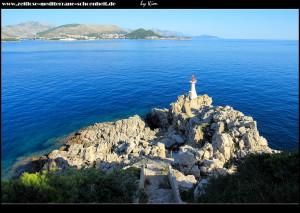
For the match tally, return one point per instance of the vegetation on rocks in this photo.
(74, 186)
(141, 34)
(260, 178)
(10, 39)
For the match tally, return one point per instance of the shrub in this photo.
(188, 195)
(260, 178)
(73, 186)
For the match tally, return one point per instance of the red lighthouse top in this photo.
(192, 79)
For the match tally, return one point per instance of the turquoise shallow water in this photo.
(50, 89)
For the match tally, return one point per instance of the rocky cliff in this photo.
(202, 137)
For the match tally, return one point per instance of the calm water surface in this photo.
(51, 89)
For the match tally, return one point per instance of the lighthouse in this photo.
(192, 92)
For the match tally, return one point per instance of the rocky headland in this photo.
(193, 136)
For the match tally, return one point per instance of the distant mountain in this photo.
(167, 33)
(81, 29)
(51, 31)
(25, 30)
(205, 37)
(142, 34)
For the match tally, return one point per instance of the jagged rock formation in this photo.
(211, 134)
(106, 145)
(205, 136)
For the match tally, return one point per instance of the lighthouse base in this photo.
(192, 95)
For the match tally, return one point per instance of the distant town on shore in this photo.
(34, 30)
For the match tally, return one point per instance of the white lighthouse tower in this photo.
(192, 92)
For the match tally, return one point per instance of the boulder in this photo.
(161, 150)
(263, 142)
(112, 158)
(177, 139)
(74, 149)
(218, 127)
(195, 171)
(205, 152)
(233, 123)
(187, 148)
(196, 135)
(209, 167)
(186, 161)
(129, 147)
(89, 154)
(223, 143)
(251, 139)
(168, 142)
(158, 118)
(186, 182)
(200, 189)
(158, 150)
(98, 164)
(242, 130)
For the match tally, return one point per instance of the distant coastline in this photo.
(33, 30)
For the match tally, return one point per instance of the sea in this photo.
(50, 89)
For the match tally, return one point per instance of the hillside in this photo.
(81, 29)
(5, 37)
(25, 30)
(142, 34)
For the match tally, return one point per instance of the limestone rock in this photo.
(195, 171)
(223, 143)
(89, 154)
(186, 161)
(205, 152)
(186, 182)
(207, 136)
(251, 139)
(158, 118)
(177, 139)
(168, 142)
(200, 189)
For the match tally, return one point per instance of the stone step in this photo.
(159, 189)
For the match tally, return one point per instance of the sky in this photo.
(224, 23)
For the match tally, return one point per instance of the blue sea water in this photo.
(51, 89)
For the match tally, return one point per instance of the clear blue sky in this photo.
(225, 23)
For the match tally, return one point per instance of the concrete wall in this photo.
(174, 185)
(141, 182)
(142, 178)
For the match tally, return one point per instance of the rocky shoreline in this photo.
(204, 136)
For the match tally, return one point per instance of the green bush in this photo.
(260, 178)
(73, 186)
(10, 39)
(141, 34)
